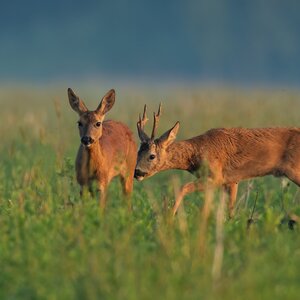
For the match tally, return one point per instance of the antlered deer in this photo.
(227, 155)
(107, 148)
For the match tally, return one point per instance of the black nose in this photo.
(87, 140)
(138, 173)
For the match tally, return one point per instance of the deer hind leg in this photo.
(231, 189)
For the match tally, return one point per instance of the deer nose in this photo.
(87, 140)
(138, 173)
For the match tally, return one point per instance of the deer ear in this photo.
(107, 102)
(76, 103)
(169, 136)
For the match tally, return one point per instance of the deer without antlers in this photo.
(107, 148)
(227, 155)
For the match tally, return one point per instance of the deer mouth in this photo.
(87, 145)
(139, 175)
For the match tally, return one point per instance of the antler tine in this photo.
(156, 121)
(141, 124)
(145, 119)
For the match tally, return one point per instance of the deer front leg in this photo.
(191, 187)
(81, 190)
(87, 188)
(102, 187)
(187, 189)
(127, 186)
(84, 189)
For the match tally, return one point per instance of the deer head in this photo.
(153, 152)
(90, 122)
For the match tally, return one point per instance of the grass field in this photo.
(54, 245)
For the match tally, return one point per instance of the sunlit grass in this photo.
(54, 245)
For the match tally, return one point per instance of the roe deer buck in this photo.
(107, 147)
(228, 155)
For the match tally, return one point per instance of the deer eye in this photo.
(152, 156)
(79, 124)
(98, 124)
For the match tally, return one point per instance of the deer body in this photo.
(99, 162)
(222, 157)
(236, 154)
(107, 148)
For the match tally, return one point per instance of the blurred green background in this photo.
(200, 41)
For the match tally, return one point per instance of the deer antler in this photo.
(141, 124)
(155, 122)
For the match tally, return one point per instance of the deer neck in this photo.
(179, 156)
(94, 155)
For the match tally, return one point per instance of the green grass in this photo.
(54, 245)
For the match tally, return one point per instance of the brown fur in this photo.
(224, 157)
(113, 152)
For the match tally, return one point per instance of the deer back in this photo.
(239, 153)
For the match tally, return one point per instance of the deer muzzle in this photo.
(87, 141)
(139, 175)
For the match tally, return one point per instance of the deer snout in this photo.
(87, 140)
(139, 175)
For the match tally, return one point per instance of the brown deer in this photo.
(107, 148)
(226, 156)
